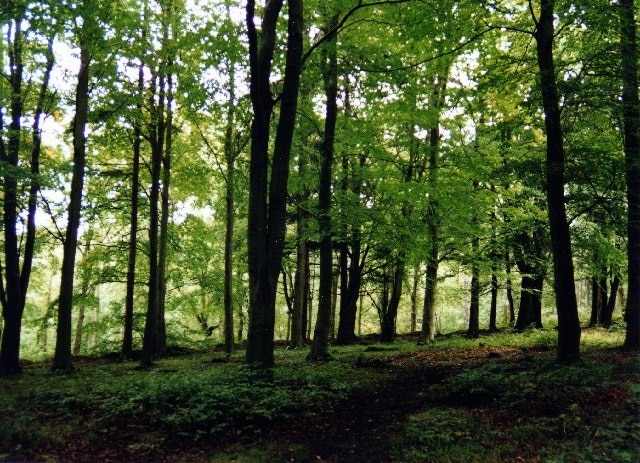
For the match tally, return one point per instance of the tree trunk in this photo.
(509, 289)
(609, 307)
(474, 307)
(301, 282)
(230, 157)
(428, 330)
(631, 116)
(568, 348)
(127, 339)
(13, 295)
(530, 310)
(62, 356)
(388, 328)
(267, 200)
(150, 342)
(350, 268)
(414, 299)
(493, 311)
(161, 336)
(320, 346)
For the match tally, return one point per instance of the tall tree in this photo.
(568, 348)
(631, 116)
(319, 348)
(86, 38)
(267, 197)
(14, 274)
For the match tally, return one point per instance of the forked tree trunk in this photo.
(267, 199)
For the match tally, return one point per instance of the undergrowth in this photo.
(516, 404)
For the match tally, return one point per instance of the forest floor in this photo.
(498, 398)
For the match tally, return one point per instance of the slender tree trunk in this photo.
(127, 339)
(568, 348)
(414, 298)
(509, 289)
(230, 157)
(428, 329)
(161, 337)
(609, 307)
(493, 311)
(631, 115)
(62, 355)
(474, 308)
(320, 346)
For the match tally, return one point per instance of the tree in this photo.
(631, 117)
(267, 196)
(14, 274)
(319, 348)
(568, 348)
(86, 37)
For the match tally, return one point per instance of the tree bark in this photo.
(568, 348)
(631, 117)
(62, 356)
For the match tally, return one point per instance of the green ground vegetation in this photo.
(499, 398)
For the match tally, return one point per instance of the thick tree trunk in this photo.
(428, 330)
(13, 295)
(320, 346)
(351, 266)
(530, 310)
(568, 348)
(150, 340)
(631, 115)
(390, 315)
(267, 200)
(62, 355)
